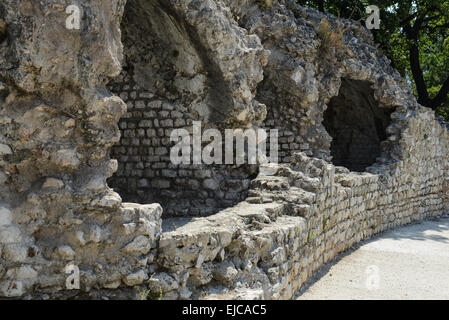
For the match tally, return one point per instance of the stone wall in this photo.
(145, 172)
(167, 83)
(268, 249)
(59, 123)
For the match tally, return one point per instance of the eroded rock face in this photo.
(178, 70)
(57, 124)
(230, 65)
(174, 52)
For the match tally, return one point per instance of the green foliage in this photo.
(143, 294)
(151, 293)
(310, 236)
(325, 221)
(407, 25)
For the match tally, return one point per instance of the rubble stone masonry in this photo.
(85, 175)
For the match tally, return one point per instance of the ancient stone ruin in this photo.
(87, 187)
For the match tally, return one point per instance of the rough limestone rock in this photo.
(85, 110)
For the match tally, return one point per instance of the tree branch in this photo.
(441, 97)
(407, 20)
(421, 88)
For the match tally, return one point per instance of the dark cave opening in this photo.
(356, 124)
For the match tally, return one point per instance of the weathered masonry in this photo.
(167, 82)
(85, 175)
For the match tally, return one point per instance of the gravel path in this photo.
(407, 263)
